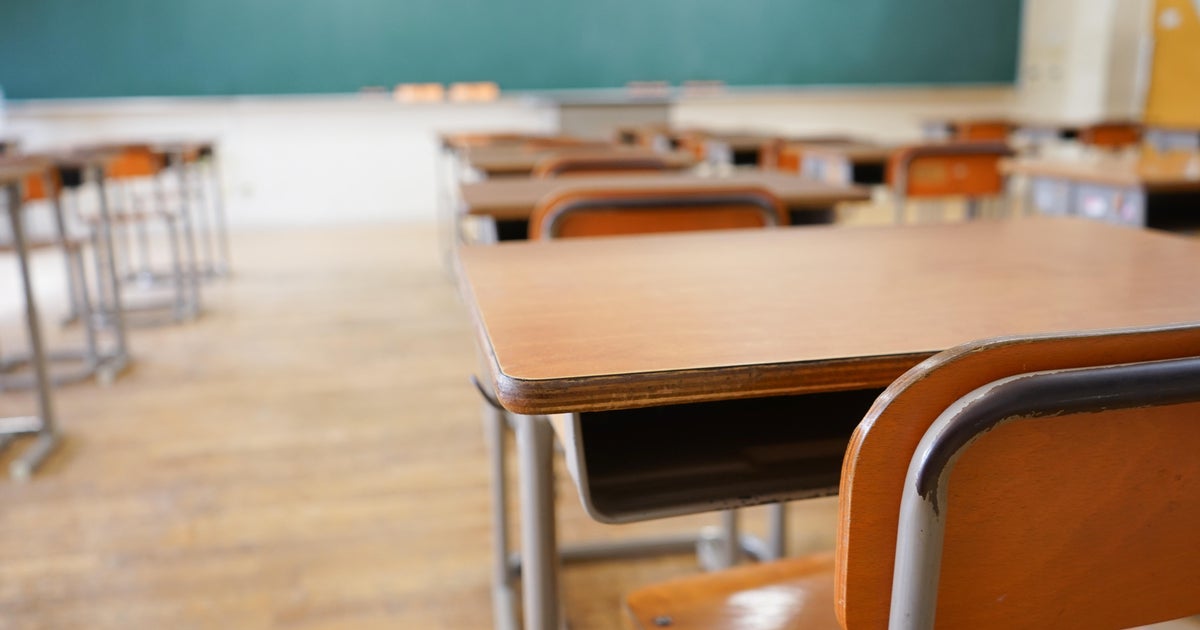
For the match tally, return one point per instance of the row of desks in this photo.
(514, 198)
(703, 371)
(1150, 190)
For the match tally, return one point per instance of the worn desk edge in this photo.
(673, 387)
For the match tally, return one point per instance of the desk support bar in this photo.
(23, 466)
(535, 450)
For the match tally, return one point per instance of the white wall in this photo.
(293, 160)
(888, 114)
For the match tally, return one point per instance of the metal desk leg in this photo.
(24, 465)
(109, 284)
(219, 218)
(204, 228)
(189, 240)
(504, 606)
(539, 544)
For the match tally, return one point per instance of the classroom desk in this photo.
(736, 149)
(949, 128)
(844, 163)
(1041, 131)
(1151, 190)
(510, 201)
(203, 204)
(643, 135)
(74, 169)
(463, 140)
(729, 338)
(13, 174)
(498, 161)
(715, 147)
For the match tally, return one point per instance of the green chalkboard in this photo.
(97, 48)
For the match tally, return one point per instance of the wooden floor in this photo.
(308, 455)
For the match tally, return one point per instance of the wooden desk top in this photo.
(741, 141)
(514, 198)
(969, 120)
(855, 152)
(14, 169)
(518, 160)
(1168, 172)
(610, 323)
(81, 157)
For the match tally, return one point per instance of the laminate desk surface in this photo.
(856, 152)
(1167, 172)
(515, 198)
(745, 141)
(16, 168)
(612, 323)
(518, 160)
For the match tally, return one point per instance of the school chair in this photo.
(208, 166)
(1111, 135)
(598, 163)
(1044, 481)
(962, 170)
(983, 130)
(639, 211)
(197, 192)
(787, 154)
(137, 179)
(605, 213)
(90, 360)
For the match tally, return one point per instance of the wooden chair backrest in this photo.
(694, 142)
(789, 158)
(598, 163)
(789, 155)
(643, 211)
(41, 186)
(983, 131)
(136, 161)
(1084, 520)
(958, 169)
(1111, 135)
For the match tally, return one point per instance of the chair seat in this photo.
(793, 594)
